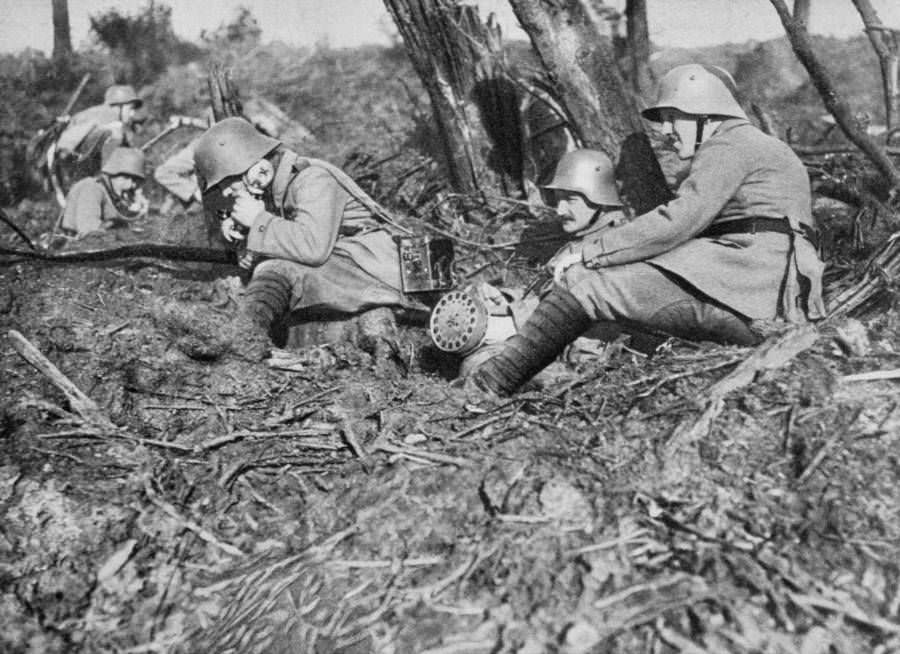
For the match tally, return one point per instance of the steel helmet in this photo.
(121, 94)
(125, 161)
(589, 172)
(697, 89)
(228, 148)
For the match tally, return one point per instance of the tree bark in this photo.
(638, 37)
(802, 10)
(886, 43)
(453, 53)
(223, 94)
(580, 63)
(62, 33)
(837, 105)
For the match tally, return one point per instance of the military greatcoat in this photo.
(738, 173)
(324, 239)
(89, 208)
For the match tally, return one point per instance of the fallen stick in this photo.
(875, 375)
(203, 533)
(81, 404)
(425, 454)
(773, 353)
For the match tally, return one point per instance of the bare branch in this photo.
(839, 108)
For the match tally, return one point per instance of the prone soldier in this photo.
(110, 199)
(314, 246)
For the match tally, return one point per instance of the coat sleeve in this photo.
(716, 174)
(84, 209)
(176, 174)
(317, 202)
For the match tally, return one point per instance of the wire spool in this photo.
(458, 323)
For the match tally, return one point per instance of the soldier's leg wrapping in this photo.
(267, 297)
(556, 321)
(639, 295)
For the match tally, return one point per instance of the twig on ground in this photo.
(875, 375)
(190, 525)
(84, 406)
(425, 454)
(412, 562)
(773, 353)
(824, 451)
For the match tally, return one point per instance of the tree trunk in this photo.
(886, 43)
(801, 10)
(580, 62)
(223, 94)
(454, 54)
(638, 37)
(834, 102)
(62, 33)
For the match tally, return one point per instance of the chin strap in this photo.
(701, 123)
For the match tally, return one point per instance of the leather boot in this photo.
(557, 321)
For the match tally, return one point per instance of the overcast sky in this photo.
(347, 23)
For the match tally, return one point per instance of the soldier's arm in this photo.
(176, 174)
(318, 202)
(716, 174)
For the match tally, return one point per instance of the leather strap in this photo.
(757, 224)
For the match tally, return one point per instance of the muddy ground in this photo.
(225, 505)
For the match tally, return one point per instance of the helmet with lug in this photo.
(589, 172)
(125, 161)
(697, 89)
(229, 148)
(121, 94)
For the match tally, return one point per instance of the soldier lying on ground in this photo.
(112, 198)
(736, 244)
(319, 249)
(93, 133)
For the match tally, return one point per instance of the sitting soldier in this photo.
(90, 135)
(112, 198)
(322, 250)
(586, 197)
(736, 244)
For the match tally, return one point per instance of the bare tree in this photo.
(638, 40)
(834, 102)
(62, 33)
(886, 43)
(579, 59)
(801, 11)
(447, 43)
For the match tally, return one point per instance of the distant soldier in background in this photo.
(736, 244)
(112, 198)
(91, 134)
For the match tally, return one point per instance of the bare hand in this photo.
(562, 260)
(231, 231)
(246, 209)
